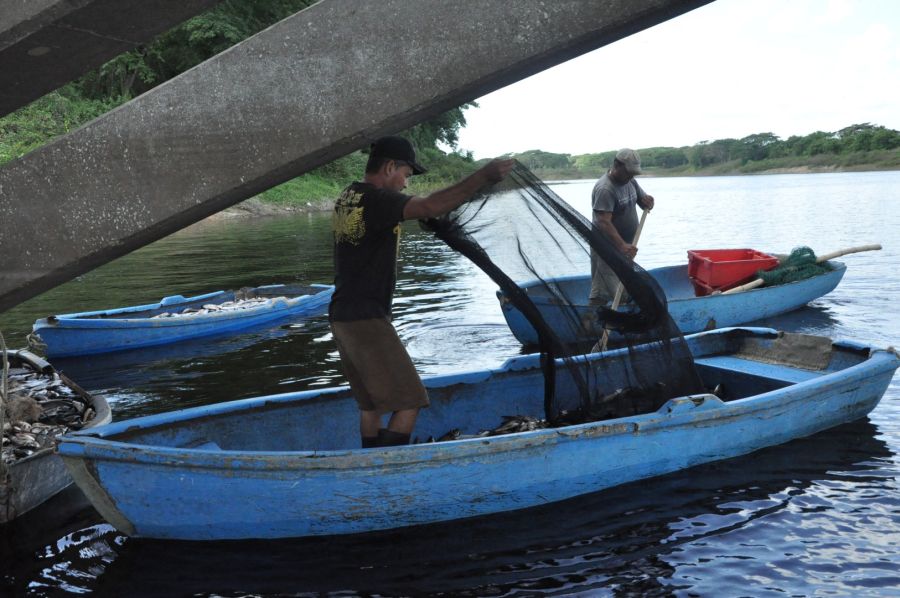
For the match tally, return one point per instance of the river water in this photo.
(817, 516)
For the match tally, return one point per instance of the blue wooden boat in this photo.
(139, 326)
(288, 465)
(690, 313)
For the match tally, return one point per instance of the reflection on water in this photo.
(816, 515)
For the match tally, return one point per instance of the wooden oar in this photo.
(819, 260)
(620, 289)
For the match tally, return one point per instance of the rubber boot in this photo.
(369, 441)
(389, 438)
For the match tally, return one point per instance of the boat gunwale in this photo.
(837, 266)
(92, 446)
(98, 319)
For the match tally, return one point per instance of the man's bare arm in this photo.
(442, 201)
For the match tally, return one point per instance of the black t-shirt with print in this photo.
(366, 226)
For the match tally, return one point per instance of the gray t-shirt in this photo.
(621, 201)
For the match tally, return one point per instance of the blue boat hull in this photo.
(691, 314)
(133, 327)
(287, 466)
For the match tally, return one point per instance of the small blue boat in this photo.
(177, 318)
(289, 465)
(690, 313)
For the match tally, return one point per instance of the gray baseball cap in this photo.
(630, 159)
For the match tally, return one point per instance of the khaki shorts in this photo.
(375, 362)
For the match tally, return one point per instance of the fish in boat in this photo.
(41, 405)
(176, 318)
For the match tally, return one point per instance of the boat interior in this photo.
(734, 364)
(178, 303)
(673, 279)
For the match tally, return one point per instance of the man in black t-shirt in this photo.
(366, 226)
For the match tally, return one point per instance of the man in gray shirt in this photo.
(614, 199)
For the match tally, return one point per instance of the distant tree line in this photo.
(758, 147)
(232, 21)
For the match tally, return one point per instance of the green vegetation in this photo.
(53, 115)
(187, 45)
(857, 147)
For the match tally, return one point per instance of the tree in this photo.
(819, 142)
(540, 159)
(443, 128)
(756, 146)
(594, 162)
(866, 137)
(663, 157)
(185, 46)
(716, 152)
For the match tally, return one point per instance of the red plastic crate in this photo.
(702, 290)
(719, 268)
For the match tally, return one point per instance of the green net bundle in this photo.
(800, 264)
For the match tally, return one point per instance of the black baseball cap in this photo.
(396, 148)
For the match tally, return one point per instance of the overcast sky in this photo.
(728, 69)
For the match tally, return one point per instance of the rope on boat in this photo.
(34, 342)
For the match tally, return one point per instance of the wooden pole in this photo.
(620, 289)
(823, 258)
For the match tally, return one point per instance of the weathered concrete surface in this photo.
(47, 43)
(316, 86)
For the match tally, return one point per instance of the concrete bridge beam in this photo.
(309, 89)
(44, 44)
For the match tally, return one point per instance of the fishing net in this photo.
(800, 264)
(537, 248)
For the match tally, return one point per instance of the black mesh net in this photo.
(537, 248)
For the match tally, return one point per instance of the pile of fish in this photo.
(616, 404)
(510, 425)
(41, 406)
(216, 307)
(621, 402)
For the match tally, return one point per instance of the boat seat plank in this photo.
(782, 373)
